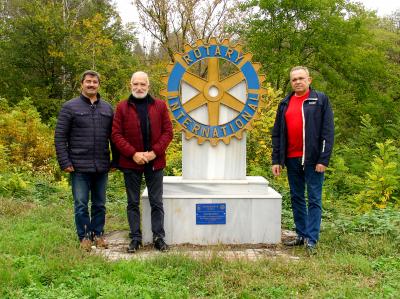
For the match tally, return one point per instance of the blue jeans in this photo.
(82, 185)
(307, 217)
(154, 183)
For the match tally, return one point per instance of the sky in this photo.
(127, 10)
(383, 7)
(129, 13)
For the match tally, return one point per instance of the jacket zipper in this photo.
(304, 133)
(93, 108)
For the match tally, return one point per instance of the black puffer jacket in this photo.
(82, 135)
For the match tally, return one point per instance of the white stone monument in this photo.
(214, 202)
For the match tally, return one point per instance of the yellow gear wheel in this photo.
(240, 92)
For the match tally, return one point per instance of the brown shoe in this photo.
(86, 244)
(100, 242)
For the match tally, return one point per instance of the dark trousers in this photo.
(95, 184)
(307, 216)
(154, 183)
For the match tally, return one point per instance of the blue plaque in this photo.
(210, 213)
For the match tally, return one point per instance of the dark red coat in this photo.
(127, 134)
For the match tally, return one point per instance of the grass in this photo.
(40, 258)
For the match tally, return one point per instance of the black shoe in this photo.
(134, 246)
(159, 244)
(296, 242)
(311, 249)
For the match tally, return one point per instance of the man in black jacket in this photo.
(302, 139)
(82, 140)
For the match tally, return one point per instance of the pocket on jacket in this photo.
(82, 119)
(105, 119)
(313, 105)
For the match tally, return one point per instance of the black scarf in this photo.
(142, 111)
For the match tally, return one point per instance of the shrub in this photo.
(13, 184)
(259, 144)
(26, 142)
(174, 156)
(383, 181)
(340, 182)
(376, 222)
(3, 158)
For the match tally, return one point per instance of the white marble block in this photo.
(253, 211)
(207, 162)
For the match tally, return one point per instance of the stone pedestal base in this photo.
(253, 212)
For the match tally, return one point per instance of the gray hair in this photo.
(299, 67)
(142, 74)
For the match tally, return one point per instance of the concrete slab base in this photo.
(118, 243)
(252, 212)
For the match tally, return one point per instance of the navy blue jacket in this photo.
(82, 136)
(318, 130)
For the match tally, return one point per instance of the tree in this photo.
(339, 41)
(46, 45)
(174, 23)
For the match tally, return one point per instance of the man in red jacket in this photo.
(141, 132)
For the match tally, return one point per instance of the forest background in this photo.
(353, 55)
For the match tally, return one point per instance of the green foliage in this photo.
(358, 150)
(350, 54)
(25, 140)
(46, 45)
(383, 181)
(174, 156)
(381, 222)
(259, 138)
(300, 33)
(39, 188)
(365, 170)
(3, 158)
(13, 184)
(106, 48)
(116, 187)
(340, 183)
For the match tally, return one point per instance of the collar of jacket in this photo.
(87, 100)
(148, 98)
(313, 94)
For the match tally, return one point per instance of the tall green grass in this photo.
(40, 258)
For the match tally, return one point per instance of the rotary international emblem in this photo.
(214, 91)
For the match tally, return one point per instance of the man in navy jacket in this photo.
(82, 140)
(302, 140)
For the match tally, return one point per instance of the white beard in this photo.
(139, 96)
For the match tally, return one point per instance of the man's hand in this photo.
(276, 169)
(320, 168)
(150, 156)
(69, 169)
(140, 158)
